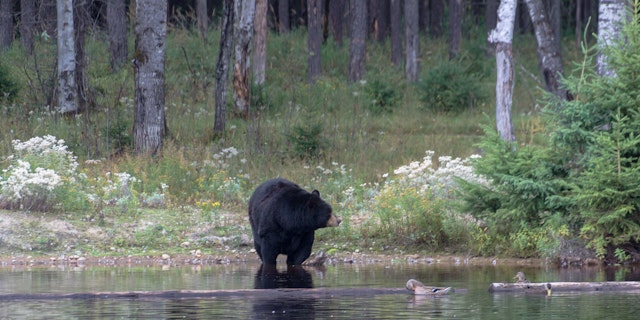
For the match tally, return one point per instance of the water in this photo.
(471, 301)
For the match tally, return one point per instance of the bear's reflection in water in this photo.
(269, 277)
(290, 306)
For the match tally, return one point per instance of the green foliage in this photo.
(8, 87)
(409, 216)
(524, 184)
(608, 191)
(307, 140)
(382, 97)
(586, 180)
(450, 87)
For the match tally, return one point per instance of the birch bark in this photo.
(502, 37)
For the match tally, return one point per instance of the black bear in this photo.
(284, 218)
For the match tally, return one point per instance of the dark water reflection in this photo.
(473, 302)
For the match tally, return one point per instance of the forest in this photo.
(483, 127)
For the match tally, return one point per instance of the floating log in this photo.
(565, 287)
(293, 293)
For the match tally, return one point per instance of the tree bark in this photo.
(222, 67)
(396, 32)
(611, 14)
(284, 23)
(6, 23)
(436, 18)
(27, 24)
(411, 21)
(149, 127)
(455, 27)
(67, 89)
(243, 32)
(502, 37)
(81, 20)
(358, 41)
(491, 19)
(260, 42)
(314, 33)
(203, 18)
(549, 58)
(379, 19)
(47, 16)
(117, 26)
(336, 18)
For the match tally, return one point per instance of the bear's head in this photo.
(322, 211)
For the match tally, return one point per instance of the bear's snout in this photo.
(333, 221)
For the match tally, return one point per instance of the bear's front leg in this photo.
(300, 249)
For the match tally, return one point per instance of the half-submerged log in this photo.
(548, 287)
(183, 294)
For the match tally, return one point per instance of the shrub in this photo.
(8, 88)
(39, 168)
(382, 97)
(307, 140)
(449, 87)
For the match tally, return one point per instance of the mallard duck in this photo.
(521, 277)
(419, 288)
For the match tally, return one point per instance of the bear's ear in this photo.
(316, 193)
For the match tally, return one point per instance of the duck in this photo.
(548, 286)
(419, 288)
(521, 278)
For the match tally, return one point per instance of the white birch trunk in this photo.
(502, 37)
(611, 15)
(244, 11)
(149, 119)
(549, 58)
(67, 89)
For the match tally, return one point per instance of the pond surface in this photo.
(470, 301)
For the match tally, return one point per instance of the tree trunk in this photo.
(379, 19)
(555, 21)
(455, 27)
(117, 25)
(6, 23)
(314, 33)
(81, 20)
(47, 16)
(284, 23)
(411, 37)
(149, 127)
(259, 42)
(336, 18)
(611, 14)
(436, 18)
(358, 41)
(491, 17)
(27, 24)
(396, 32)
(501, 37)
(203, 18)
(578, 18)
(424, 15)
(222, 67)
(67, 89)
(243, 32)
(549, 58)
